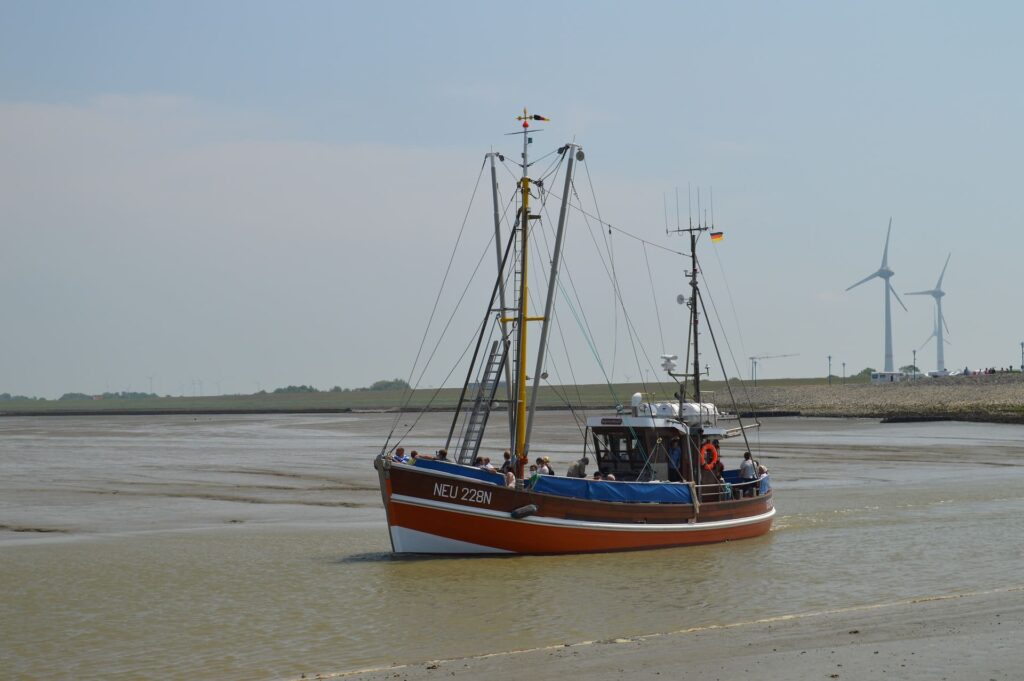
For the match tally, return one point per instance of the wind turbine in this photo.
(940, 321)
(885, 273)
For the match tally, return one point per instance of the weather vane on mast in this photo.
(527, 117)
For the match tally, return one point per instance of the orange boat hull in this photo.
(422, 521)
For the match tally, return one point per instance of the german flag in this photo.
(717, 236)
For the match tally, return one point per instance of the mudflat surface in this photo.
(968, 636)
(255, 547)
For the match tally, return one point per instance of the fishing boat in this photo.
(660, 482)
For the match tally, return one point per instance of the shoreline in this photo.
(996, 398)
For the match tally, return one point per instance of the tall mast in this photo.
(694, 313)
(694, 302)
(519, 444)
(501, 292)
(574, 152)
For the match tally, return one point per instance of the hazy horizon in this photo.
(255, 195)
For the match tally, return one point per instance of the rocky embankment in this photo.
(994, 398)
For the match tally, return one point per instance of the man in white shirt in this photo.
(748, 473)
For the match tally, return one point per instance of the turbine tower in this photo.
(885, 273)
(940, 321)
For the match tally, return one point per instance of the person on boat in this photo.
(510, 479)
(507, 464)
(748, 474)
(442, 455)
(719, 470)
(487, 465)
(609, 476)
(400, 456)
(597, 476)
(675, 460)
(762, 473)
(533, 475)
(542, 468)
(578, 469)
(547, 463)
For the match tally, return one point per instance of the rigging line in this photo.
(532, 163)
(689, 346)
(464, 415)
(732, 356)
(586, 331)
(611, 261)
(455, 310)
(576, 419)
(584, 324)
(437, 391)
(579, 207)
(504, 164)
(714, 306)
(558, 326)
(550, 356)
(718, 319)
(654, 299)
(444, 280)
(631, 332)
(589, 339)
(732, 303)
(552, 168)
(617, 294)
(728, 386)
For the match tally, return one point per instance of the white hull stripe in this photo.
(583, 524)
(414, 541)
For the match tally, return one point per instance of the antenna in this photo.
(689, 203)
(712, 190)
(677, 207)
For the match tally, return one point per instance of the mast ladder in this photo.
(481, 409)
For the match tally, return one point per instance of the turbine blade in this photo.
(885, 253)
(898, 298)
(918, 293)
(867, 278)
(945, 326)
(938, 287)
(926, 341)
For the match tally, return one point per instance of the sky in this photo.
(234, 196)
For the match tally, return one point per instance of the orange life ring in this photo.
(704, 461)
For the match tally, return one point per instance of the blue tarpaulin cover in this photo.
(464, 471)
(629, 492)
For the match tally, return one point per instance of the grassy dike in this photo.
(997, 398)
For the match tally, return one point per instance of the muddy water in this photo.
(254, 547)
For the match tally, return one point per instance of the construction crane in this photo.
(757, 358)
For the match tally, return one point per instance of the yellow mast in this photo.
(523, 317)
(523, 298)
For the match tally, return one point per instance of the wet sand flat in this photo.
(967, 636)
(255, 547)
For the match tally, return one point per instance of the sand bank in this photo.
(998, 398)
(962, 636)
